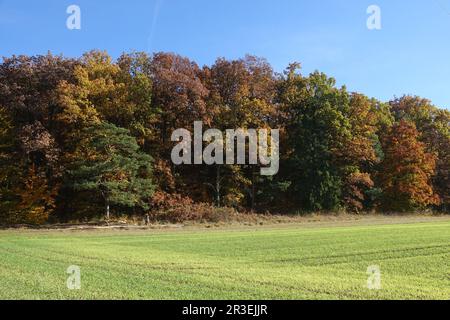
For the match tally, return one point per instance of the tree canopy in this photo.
(109, 163)
(79, 136)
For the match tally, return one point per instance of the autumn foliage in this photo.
(83, 137)
(407, 169)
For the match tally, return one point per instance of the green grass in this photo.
(286, 262)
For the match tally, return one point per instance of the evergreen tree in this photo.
(110, 164)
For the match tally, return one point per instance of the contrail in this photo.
(156, 10)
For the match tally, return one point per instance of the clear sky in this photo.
(409, 55)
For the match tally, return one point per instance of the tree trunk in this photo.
(218, 186)
(253, 196)
(107, 210)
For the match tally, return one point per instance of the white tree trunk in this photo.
(107, 211)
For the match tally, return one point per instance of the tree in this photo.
(406, 171)
(241, 96)
(356, 187)
(37, 199)
(29, 97)
(119, 93)
(26, 162)
(86, 123)
(318, 131)
(111, 165)
(138, 94)
(179, 97)
(10, 171)
(440, 138)
(27, 87)
(359, 155)
(433, 125)
(178, 93)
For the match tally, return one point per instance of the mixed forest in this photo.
(88, 137)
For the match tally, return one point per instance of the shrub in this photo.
(178, 209)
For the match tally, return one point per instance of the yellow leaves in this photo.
(77, 109)
(100, 93)
(233, 198)
(37, 200)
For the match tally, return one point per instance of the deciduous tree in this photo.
(406, 171)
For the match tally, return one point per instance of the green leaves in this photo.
(318, 130)
(111, 165)
(87, 126)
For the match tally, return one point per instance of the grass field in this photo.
(306, 261)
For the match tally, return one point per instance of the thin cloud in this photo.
(155, 17)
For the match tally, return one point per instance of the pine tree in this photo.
(111, 165)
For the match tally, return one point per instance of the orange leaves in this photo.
(356, 185)
(407, 169)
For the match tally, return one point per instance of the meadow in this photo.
(295, 261)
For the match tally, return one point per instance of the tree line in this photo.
(80, 137)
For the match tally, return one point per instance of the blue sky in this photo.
(409, 55)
